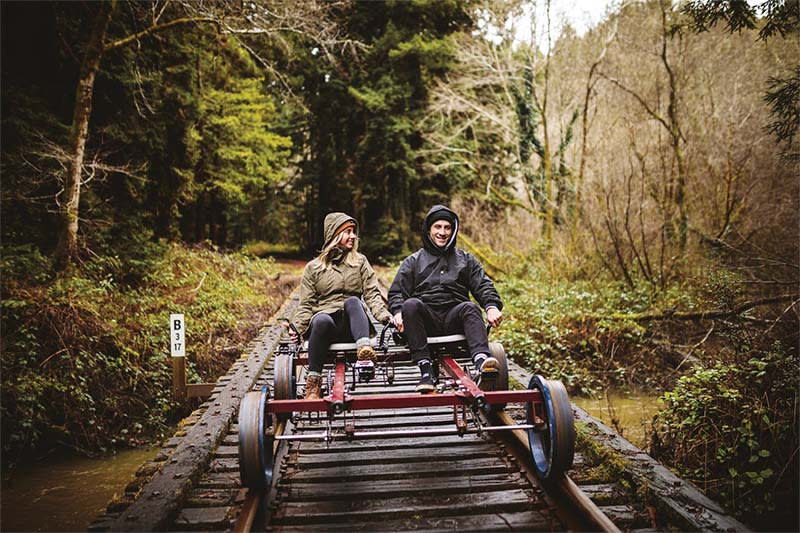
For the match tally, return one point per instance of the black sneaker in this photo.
(425, 384)
(489, 371)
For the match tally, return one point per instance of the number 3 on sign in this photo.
(177, 335)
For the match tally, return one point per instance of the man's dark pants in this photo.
(421, 321)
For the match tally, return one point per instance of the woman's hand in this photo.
(398, 321)
(294, 336)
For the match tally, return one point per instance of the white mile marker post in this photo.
(177, 343)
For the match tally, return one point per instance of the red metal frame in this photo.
(467, 394)
(337, 394)
(457, 373)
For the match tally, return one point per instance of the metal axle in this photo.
(341, 435)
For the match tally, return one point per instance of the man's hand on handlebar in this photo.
(494, 316)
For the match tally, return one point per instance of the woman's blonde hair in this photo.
(352, 256)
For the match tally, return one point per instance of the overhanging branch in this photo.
(156, 28)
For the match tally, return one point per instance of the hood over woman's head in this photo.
(333, 226)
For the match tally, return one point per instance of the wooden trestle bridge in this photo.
(415, 472)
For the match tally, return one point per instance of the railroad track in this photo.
(410, 480)
(406, 479)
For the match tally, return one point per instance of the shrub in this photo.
(85, 357)
(732, 428)
(570, 331)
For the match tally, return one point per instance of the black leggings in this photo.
(329, 327)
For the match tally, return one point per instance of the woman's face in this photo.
(347, 238)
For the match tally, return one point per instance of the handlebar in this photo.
(381, 342)
(291, 326)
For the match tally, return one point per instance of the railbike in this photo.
(548, 414)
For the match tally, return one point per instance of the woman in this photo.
(330, 307)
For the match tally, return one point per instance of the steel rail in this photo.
(252, 505)
(564, 492)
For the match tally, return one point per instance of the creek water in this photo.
(65, 493)
(633, 411)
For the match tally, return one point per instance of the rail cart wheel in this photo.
(255, 444)
(553, 442)
(285, 380)
(497, 351)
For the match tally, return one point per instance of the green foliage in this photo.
(366, 135)
(783, 97)
(183, 140)
(779, 16)
(732, 428)
(85, 359)
(232, 143)
(387, 243)
(567, 330)
(24, 262)
(729, 424)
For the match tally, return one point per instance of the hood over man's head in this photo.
(435, 213)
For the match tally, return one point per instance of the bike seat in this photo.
(447, 339)
(343, 346)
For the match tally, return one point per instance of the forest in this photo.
(632, 187)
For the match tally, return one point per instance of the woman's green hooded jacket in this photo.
(324, 288)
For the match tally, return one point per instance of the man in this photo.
(430, 297)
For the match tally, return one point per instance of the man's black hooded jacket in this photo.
(442, 277)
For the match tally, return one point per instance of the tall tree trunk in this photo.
(679, 195)
(547, 163)
(67, 249)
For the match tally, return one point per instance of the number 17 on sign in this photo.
(177, 335)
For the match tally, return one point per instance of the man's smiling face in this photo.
(441, 230)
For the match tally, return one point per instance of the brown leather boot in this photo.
(366, 353)
(313, 388)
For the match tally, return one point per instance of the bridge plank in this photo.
(401, 487)
(367, 472)
(604, 493)
(212, 497)
(392, 508)
(314, 447)
(220, 480)
(359, 458)
(198, 518)
(520, 521)
(624, 516)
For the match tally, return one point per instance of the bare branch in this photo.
(638, 98)
(157, 28)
